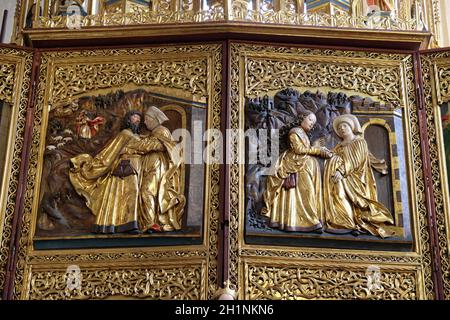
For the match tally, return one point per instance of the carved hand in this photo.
(337, 177)
(325, 153)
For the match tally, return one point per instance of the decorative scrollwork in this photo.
(152, 283)
(267, 74)
(444, 84)
(7, 72)
(314, 255)
(71, 80)
(19, 101)
(306, 282)
(140, 16)
(286, 12)
(115, 256)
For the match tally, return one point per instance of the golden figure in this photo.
(350, 191)
(110, 181)
(161, 195)
(293, 197)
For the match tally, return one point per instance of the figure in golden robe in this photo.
(350, 191)
(161, 193)
(293, 197)
(110, 181)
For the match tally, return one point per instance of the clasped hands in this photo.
(324, 152)
(337, 176)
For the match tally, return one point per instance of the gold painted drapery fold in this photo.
(161, 194)
(112, 199)
(298, 208)
(351, 203)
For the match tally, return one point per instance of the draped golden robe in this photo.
(113, 200)
(352, 204)
(161, 194)
(298, 208)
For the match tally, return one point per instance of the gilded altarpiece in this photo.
(15, 73)
(436, 86)
(379, 90)
(81, 99)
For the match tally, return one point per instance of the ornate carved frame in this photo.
(15, 78)
(436, 86)
(287, 272)
(179, 272)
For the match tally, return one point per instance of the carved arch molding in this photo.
(195, 73)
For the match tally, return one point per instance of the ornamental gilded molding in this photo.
(7, 73)
(318, 282)
(168, 283)
(235, 10)
(443, 82)
(74, 79)
(380, 80)
(16, 93)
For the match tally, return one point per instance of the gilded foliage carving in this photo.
(204, 78)
(151, 283)
(438, 160)
(74, 79)
(24, 62)
(287, 282)
(7, 72)
(269, 74)
(115, 256)
(391, 78)
(236, 10)
(335, 256)
(140, 16)
(444, 84)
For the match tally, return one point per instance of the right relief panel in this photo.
(328, 199)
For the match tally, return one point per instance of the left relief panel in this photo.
(123, 200)
(15, 73)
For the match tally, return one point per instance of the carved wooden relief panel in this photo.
(331, 193)
(115, 194)
(15, 73)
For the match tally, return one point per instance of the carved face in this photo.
(150, 122)
(344, 130)
(308, 122)
(135, 119)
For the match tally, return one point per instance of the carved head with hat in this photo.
(353, 125)
(154, 117)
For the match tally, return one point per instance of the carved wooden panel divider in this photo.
(15, 73)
